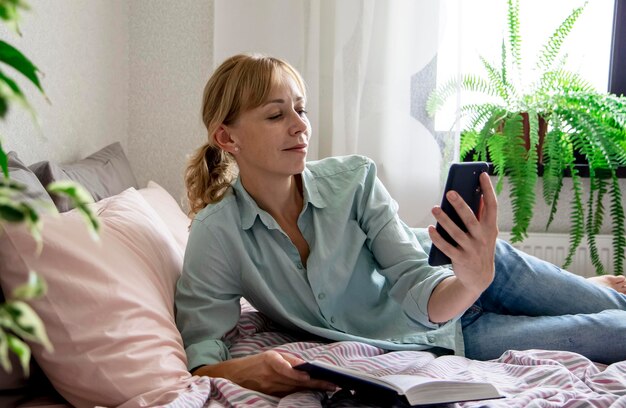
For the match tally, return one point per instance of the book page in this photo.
(403, 382)
(416, 389)
(424, 390)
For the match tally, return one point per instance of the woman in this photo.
(319, 248)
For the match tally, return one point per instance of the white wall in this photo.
(82, 48)
(170, 62)
(115, 70)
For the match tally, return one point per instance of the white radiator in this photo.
(554, 247)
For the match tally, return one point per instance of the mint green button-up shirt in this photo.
(366, 279)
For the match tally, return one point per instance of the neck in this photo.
(282, 199)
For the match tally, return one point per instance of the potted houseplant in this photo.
(547, 122)
(18, 321)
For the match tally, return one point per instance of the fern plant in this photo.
(546, 122)
(18, 321)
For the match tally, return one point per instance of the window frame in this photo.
(617, 64)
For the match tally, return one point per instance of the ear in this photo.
(224, 140)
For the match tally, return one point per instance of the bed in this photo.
(109, 313)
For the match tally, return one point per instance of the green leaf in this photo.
(27, 324)
(72, 190)
(81, 200)
(11, 185)
(10, 14)
(577, 217)
(4, 161)
(10, 90)
(552, 48)
(591, 227)
(13, 57)
(33, 222)
(497, 82)
(5, 362)
(515, 41)
(470, 83)
(557, 157)
(4, 106)
(11, 211)
(34, 288)
(619, 219)
(22, 351)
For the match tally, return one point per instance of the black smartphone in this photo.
(464, 179)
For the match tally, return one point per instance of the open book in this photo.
(409, 389)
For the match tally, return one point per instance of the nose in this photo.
(299, 123)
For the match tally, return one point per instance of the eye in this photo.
(276, 116)
(302, 112)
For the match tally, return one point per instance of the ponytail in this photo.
(209, 174)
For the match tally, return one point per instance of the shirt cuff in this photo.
(415, 304)
(206, 353)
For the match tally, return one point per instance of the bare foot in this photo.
(610, 281)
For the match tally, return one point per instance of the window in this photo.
(482, 25)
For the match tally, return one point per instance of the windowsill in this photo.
(583, 171)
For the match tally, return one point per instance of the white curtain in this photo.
(369, 67)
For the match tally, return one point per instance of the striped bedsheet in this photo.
(533, 378)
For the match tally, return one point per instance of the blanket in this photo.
(531, 378)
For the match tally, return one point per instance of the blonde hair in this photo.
(240, 83)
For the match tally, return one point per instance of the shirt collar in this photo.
(249, 210)
(311, 193)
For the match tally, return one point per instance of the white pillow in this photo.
(168, 209)
(109, 305)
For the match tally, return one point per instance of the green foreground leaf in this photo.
(26, 323)
(34, 288)
(14, 58)
(81, 200)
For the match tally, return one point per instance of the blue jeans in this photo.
(534, 304)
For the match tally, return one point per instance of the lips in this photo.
(298, 147)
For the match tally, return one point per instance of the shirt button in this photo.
(299, 265)
(431, 339)
(332, 319)
(321, 296)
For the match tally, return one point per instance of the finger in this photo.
(321, 385)
(450, 227)
(446, 222)
(291, 359)
(489, 196)
(440, 242)
(283, 367)
(481, 209)
(305, 381)
(463, 210)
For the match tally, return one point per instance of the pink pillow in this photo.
(168, 209)
(109, 306)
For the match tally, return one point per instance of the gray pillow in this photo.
(103, 174)
(19, 172)
(34, 189)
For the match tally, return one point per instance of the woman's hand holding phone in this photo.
(472, 258)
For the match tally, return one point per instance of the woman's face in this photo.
(273, 138)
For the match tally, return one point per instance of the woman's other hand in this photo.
(269, 372)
